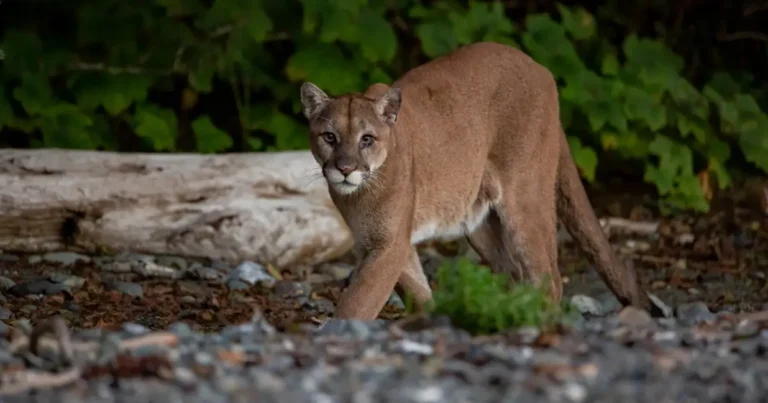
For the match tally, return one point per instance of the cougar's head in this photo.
(350, 135)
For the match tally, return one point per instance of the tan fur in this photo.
(469, 144)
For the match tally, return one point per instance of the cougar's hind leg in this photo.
(529, 241)
(487, 241)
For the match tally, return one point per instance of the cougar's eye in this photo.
(366, 141)
(329, 137)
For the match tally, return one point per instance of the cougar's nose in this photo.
(345, 167)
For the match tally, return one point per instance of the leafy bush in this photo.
(171, 73)
(483, 302)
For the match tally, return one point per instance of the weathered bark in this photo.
(269, 207)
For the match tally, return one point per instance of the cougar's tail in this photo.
(577, 215)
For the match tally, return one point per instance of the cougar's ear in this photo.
(313, 99)
(388, 105)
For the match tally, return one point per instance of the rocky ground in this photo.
(145, 328)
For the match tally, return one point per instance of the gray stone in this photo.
(132, 289)
(200, 272)
(34, 259)
(352, 327)
(6, 283)
(203, 358)
(133, 257)
(4, 328)
(134, 329)
(9, 258)
(181, 330)
(291, 289)
(152, 269)
(321, 305)
(69, 280)
(587, 305)
(5, 313)
(635, 317)
(694, 312)
(184, 376)
(65, 258)
(116, 267)
(174, 262)
(37, 287)
(746, 328)
(396, 301)
(236, 285)
(251, 273)
(609, 302)
(660, 306)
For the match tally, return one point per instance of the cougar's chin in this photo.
(344, 185)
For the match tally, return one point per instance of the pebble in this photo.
(200, 272)
(132, 289)
(395, 301)
(9, 258)
(174, 262)
(664, 309)
(746, 328)
(4, 328)
(290, 289)
(71, 281)
(37, 287)
(151, 269)
(587, 305)
(134, 329)
(65, 258)
(251, 273)
(6, 283)
(236, 285)
(351, 327)
(5, 313)
(635, 317)
(694, 312)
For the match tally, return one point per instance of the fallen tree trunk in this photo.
(268, 207)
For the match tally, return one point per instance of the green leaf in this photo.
(181, 8)
(437, 38)
(379, 42)
(692, 125)
(326, 66)
(577, 22)
(288, 133)
(6, 111)
(156, 125)
(23, 53)
(34, 93)
(585, 158)
(639, 105)
(546, 42)
(208, 137)
(610, 65)
(64, 126)
(754, 144)
(115, 92)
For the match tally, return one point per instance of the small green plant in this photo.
(482, 302)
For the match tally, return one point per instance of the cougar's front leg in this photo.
(413, 281)
(373, 282)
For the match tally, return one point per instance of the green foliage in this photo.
(126, 66)
(483, 302)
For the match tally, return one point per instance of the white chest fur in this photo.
(448, 230)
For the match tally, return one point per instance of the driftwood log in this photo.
(269, 207)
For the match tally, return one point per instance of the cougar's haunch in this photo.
(467, 145)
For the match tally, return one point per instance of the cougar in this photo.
(469, 145)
